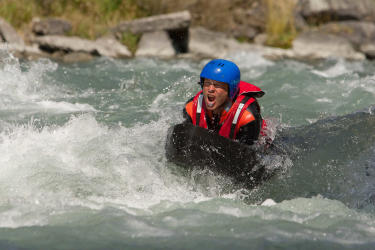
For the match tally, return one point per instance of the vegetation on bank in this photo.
(89, 18)
(280, 26)
(92, 18)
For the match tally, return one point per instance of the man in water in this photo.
(226, 105)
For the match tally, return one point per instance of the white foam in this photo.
(269, 203)
(248, 60)
(25, 85)
(233, 211)
(287, 87)
(338, 69)
(30, 89)
(251, 64)
(341, 67)
(64, 107)
(84, 163)
(324, 100)
(367, 83)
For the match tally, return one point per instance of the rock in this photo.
(176, 24)
(77, 57)
(255, 17)
(317, 11)
(104, 46)
(110, 47)
(215, 15)
(173, 21)
(268, 203)
(180, 40)
(268, 52)
(51, 26)
(23, 51)
(66, 44)
(206, 43)
(277, 53)
(33, 52)
(8, 33)
(157, 44)
(316, 45)
(242, 31)
(356, 32)
(299, 21)
(368, 50)
(261, 39)
(209, 44)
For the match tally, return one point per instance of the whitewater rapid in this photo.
(83, 158)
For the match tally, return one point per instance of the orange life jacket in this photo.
(237, 116)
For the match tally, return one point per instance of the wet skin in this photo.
(215, 95)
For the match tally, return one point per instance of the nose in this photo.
(211, 88)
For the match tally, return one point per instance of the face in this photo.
(215, 94)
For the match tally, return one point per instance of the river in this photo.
(83, 161)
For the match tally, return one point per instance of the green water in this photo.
(83, 161)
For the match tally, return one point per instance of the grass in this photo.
(131, 41)
(89, 18)
(280, 27)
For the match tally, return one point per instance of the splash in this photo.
(84, 164)
(28, 87)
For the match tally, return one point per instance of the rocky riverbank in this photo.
(326, 28)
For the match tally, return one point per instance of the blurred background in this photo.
(263, 22)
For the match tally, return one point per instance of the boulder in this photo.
(50, 26)
(173, 21)
(251, 19)
(180, 40)
(211, 44)
(76, 57)
(261, 39)
(356, 32)
(109, 46)
(8, 33)
(23, 51)
(156, 44)
(315, 45)
(66, 44)
(276, 53)
(176, 24)
(368, 50)
(102, 47)
(317, 11)
(299, 22)
(254, 17)
(243, 31)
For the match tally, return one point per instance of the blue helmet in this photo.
(223, 71)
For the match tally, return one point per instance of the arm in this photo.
(187, 118)
(185, 114)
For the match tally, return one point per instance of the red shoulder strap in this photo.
(245, 87)
(230, 127)
(198, 115)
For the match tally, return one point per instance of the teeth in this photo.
(210, 101)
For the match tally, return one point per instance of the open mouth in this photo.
(210, 101)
